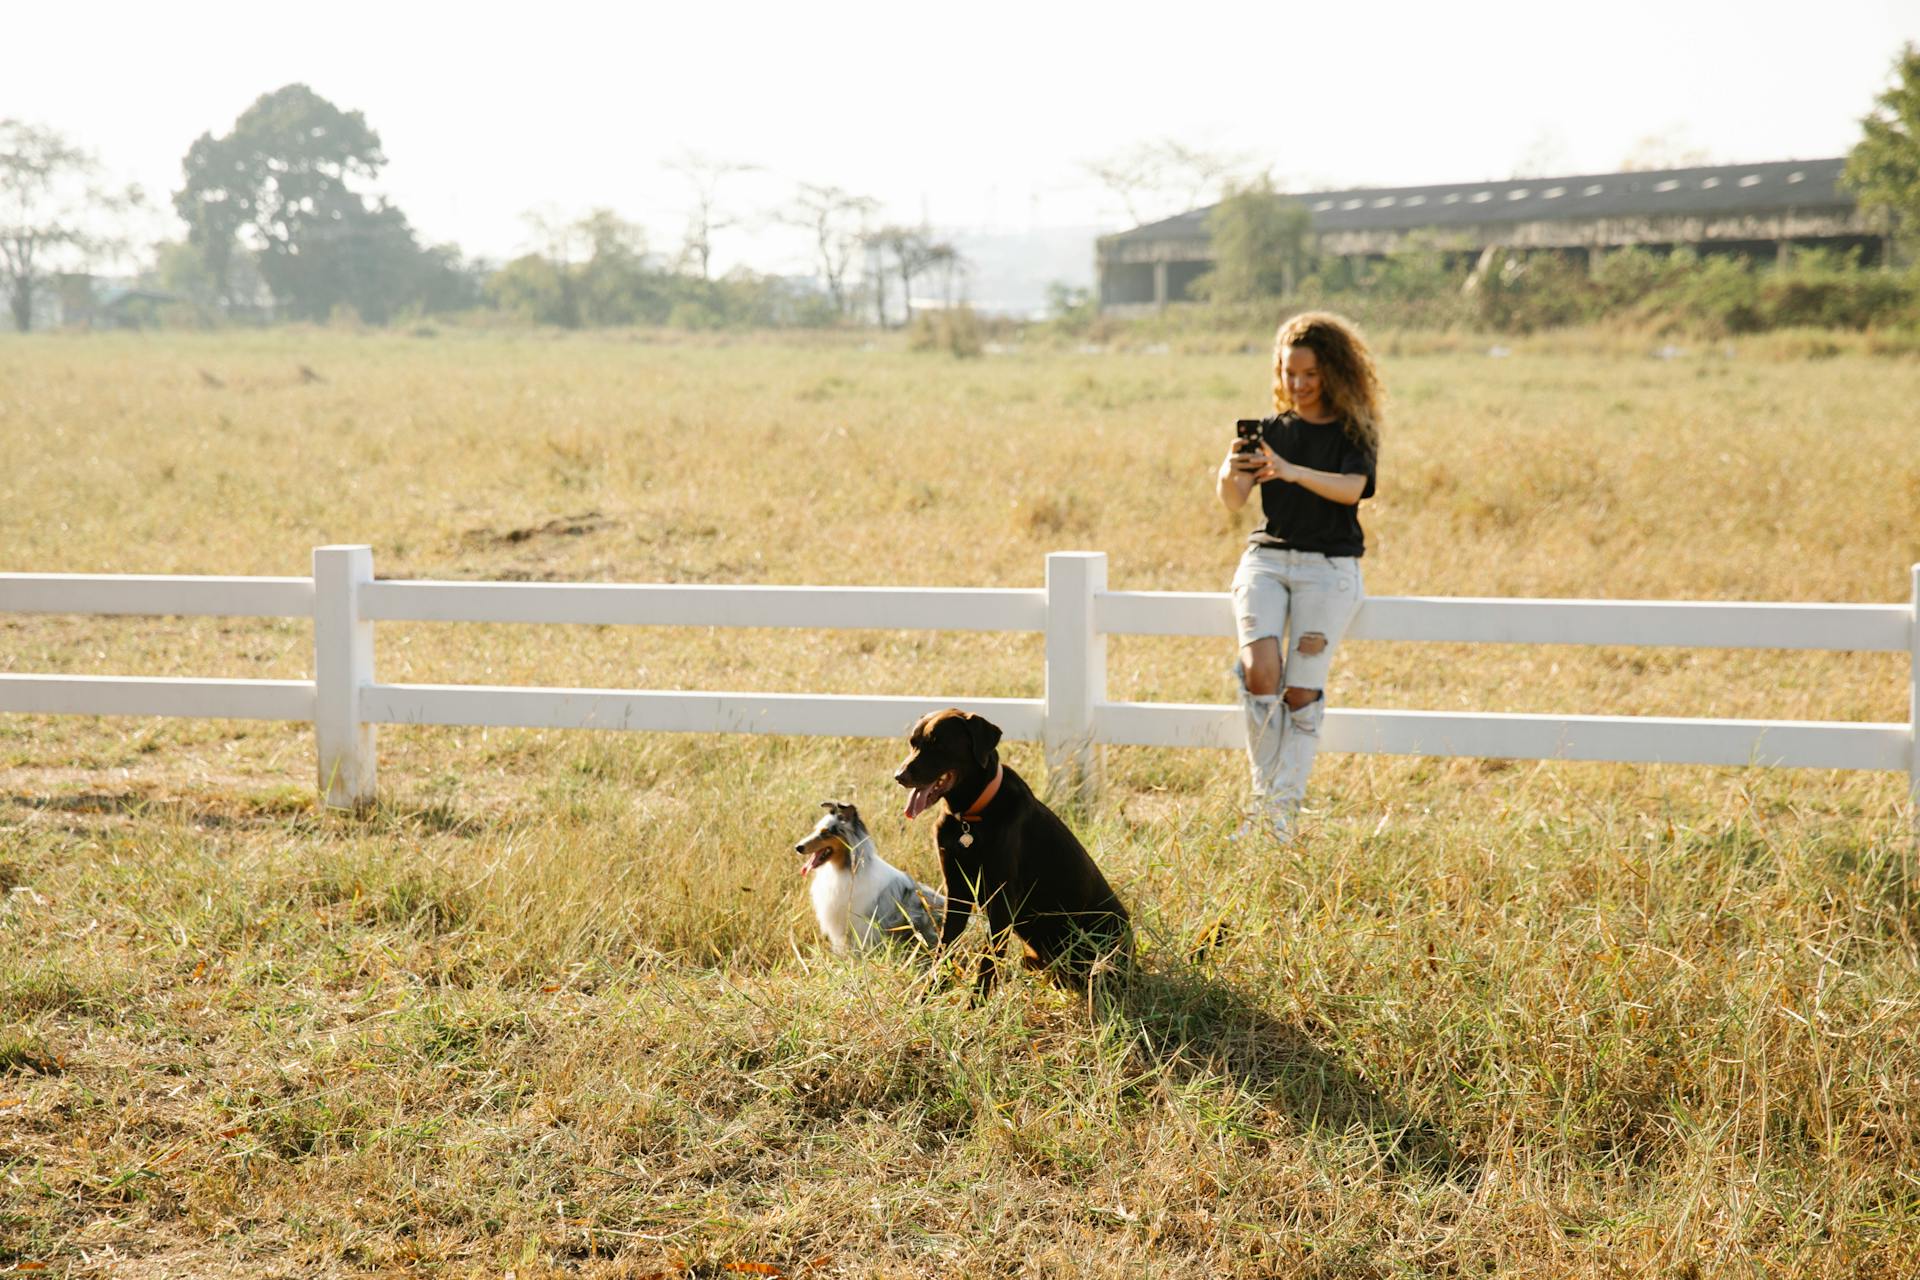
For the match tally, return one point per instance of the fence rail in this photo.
(1873, 628)
(158, 595)
(1074, 611)
(158, 696)
(616, 604)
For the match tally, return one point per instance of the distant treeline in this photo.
(1419, 289)
(278, 231)
(613, 286)
(1514, 293)
(613, 282)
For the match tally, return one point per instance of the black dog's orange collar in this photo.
(986, 797)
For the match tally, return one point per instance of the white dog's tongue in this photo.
(917, 802)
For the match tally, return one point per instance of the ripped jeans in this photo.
(1291, 595)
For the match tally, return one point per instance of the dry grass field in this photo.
(557, 1005)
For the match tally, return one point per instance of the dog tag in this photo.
(966, 837)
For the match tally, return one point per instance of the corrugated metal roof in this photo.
(1730, 189)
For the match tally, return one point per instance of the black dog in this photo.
(1002, 849)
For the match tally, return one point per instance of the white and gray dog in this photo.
(861, 900)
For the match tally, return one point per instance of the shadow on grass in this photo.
(1197, 1026)
(212, 811)
(288, 806)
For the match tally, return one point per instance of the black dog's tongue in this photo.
(921, 797)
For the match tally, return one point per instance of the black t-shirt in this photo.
(1297, 518)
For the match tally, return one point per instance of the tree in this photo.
(355, 255)
(544, 284)
(179, 270)
(1157, 179)
(952, 266)
(1883, 169)
(536, 289)
(877, 273)
(837, 222)
(1071, 306)
(51, 202)
(1260, 245)
(616, 285)
(592, 270)
(704, 175)
(914, 251)
(445, 279)
(280, 186)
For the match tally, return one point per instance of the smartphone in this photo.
(1249, 432)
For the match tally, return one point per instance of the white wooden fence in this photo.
(344, 701)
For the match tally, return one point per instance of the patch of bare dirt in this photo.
(578, 526)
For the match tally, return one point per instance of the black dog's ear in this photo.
(984, 734)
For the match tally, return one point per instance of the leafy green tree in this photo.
(52, 202)
(1261, 245)
(596, 271)
(592, 271)
(616, 285)
(178, 269)
(535, 289)
(444, 279)
(353, 255)
(280, 185)
(1416, 271)
(1884, 166)
(1514, 292)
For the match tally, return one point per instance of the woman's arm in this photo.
(1331, 485)
(1235, 479)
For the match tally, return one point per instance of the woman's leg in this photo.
(1260, 666)
(1325, 598)
(1261, 601)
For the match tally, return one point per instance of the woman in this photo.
(1300, 574)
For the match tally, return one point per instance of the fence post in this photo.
(342, 666)
(1076, 668)
(1913, 707)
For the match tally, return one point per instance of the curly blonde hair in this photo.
(1349, 383)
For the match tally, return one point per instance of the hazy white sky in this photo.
(978, 115)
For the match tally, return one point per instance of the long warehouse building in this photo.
(1757, 210)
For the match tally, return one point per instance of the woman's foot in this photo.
(1265, 823)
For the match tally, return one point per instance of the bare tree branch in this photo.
(838, 223)
(704, 175)
(1159, 178)
(52, 202)
(914, 251)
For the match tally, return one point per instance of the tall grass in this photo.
(557, 1005)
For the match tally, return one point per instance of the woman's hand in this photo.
(1269, 465)
(1234, 482)
(1243, 464)
(1334, 487)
